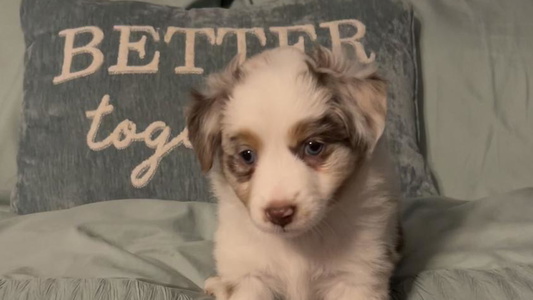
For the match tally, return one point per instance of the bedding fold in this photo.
(92, 289)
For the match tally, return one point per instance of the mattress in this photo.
(155, 249)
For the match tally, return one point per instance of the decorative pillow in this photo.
(12, 66)
(106, 85)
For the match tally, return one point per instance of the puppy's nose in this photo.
(281, 215)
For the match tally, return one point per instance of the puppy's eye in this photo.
(313, 148)
(248, 156)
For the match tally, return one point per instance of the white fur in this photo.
(328, 252)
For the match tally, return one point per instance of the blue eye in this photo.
(248, 156)
(313, 148)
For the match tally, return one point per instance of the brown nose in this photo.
(280, 215)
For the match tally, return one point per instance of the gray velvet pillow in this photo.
(106, 84)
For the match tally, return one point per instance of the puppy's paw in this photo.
(251, 288)
(217, 288)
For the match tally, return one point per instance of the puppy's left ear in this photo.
(205, 113)
(370, 94)
(359, 95)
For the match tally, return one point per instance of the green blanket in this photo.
(150, 249)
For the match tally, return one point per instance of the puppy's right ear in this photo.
(203, 123)
(204, 116)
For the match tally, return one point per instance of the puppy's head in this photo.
(286, 130)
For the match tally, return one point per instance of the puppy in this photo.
(307, 199)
